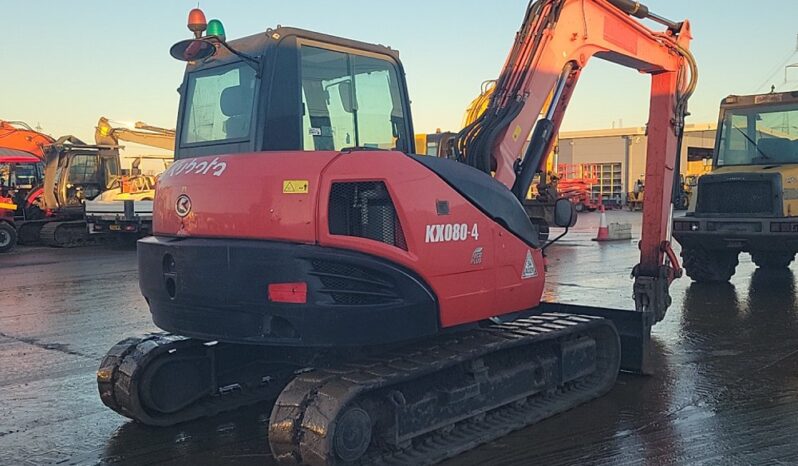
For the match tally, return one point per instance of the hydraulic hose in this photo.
(680, 112)
(474, 143)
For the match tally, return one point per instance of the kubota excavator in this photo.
(390, 303)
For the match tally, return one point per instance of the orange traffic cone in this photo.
(604, 229)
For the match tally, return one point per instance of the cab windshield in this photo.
(219, 104)
(759, 136)
(19, 175)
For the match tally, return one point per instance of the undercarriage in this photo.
(60, 234)
(418, 403)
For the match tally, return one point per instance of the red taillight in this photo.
(296, 293)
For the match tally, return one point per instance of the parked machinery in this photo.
(130, 212)
(21, 178)
(749, 201)
(74, 172)
(575, 183)
(21, 173)
(391, 303)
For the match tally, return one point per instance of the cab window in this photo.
(84, 169)
(219, 104)
(350, 100)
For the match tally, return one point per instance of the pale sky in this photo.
(63, 64)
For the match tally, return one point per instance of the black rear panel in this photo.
(365, 210)
(744, 194)
(217, 289)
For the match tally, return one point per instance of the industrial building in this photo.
(617, 156)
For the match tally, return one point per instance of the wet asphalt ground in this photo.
(726, 391)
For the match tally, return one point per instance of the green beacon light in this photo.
(215, 28)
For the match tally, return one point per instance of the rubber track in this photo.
(72, 234)
(299, 431)
(123, 368)
(29, 232)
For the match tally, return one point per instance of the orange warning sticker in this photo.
(295, 186)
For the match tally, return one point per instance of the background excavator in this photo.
(73, 173)
(21, 177)
(390, 303)
(61, 176)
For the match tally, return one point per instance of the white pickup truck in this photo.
(119, 216)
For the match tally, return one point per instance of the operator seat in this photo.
(238, 108)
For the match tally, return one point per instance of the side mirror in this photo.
(192, 50)
(564, 213)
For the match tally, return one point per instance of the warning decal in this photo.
(295, 186)
(529, 267)
(516, 132)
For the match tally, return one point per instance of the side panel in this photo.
(242, 196)
(475, 277)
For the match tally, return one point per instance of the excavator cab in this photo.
(290, 89)
(76, 172)
(20, 175)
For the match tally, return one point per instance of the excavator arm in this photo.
(143, 133)
(553, 46)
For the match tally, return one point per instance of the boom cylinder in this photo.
(541, 136)
(540, 140)
(638, 10)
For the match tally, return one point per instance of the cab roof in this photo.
(17, 156)
(257, 44)
(760, 99)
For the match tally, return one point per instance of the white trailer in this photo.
(126, 216)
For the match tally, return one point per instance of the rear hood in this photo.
(265, 195)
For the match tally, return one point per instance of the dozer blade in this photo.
(634, 327)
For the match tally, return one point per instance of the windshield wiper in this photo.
(764, 156)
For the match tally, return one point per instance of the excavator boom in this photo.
(143, 134)
(554, 44)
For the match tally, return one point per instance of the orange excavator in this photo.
(21, 177)
(387, 304)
